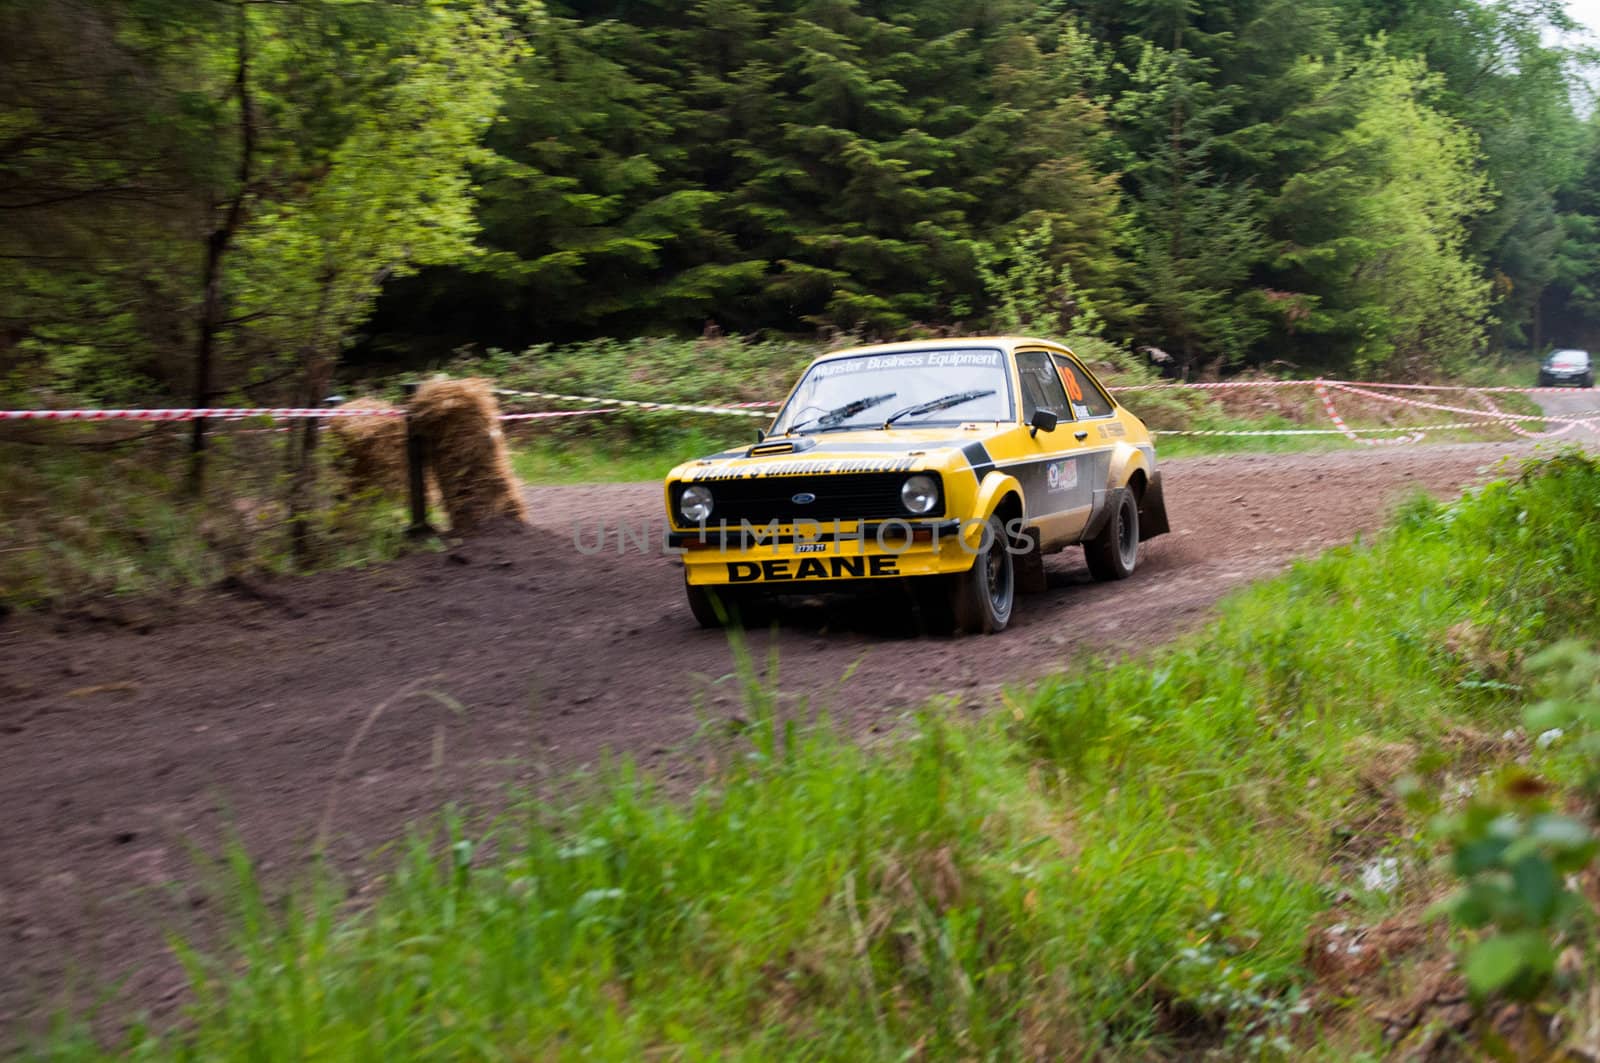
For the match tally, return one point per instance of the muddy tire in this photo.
(1114, 552)
(981, 597)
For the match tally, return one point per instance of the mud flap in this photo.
(1153, 511)
(1029, 567)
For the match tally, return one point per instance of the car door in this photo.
(1058, 489)
(1096, 425)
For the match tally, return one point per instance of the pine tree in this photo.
(1200, 235)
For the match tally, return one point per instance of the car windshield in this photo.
(949, 386)
(1576, 359)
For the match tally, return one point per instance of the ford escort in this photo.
(952, 465)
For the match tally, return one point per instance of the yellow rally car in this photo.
(953, 464)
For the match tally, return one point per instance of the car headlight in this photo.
(920, 495)
(695, 504)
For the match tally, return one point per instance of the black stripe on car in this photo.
(977, 456)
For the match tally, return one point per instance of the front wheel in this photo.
(1113, 553)
(981, 597)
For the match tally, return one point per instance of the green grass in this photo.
(1123, 861)
(77, 523)
(597, 459)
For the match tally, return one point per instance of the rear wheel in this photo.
(981, 597)
(1114, 552)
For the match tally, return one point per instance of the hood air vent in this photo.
(780, 446)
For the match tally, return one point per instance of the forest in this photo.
(214, 201)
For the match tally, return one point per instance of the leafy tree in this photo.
(97, 172)
(1499, 75)
(1374, 228)
(1040, 160)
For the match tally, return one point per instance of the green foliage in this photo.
(1570, 715)
(1514, 847)
(308, 152)
(753, 167)
(640, 455)
(83, 523)
(1027, 294)
(1200, 233)
(1377, 224)
(1343, 183)
(371, 186)
(1516, 856)
(1517, 851)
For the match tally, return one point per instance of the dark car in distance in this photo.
(1567, 368)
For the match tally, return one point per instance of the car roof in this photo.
(1005, 343)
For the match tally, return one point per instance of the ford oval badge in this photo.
(804, 498)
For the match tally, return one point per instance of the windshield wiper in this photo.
(935, 405)
(839, 414)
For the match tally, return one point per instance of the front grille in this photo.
(847, 497)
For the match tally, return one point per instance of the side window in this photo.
(1087, 398)
(1041, 386)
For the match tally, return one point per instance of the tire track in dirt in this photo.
(133, 732)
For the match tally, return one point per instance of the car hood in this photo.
(895, 450)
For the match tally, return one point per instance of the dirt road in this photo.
(1572, 403)
(133, 732)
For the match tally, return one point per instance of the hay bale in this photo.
(373, 448)
(460, 421)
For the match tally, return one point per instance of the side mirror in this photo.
(1043, 421)
(761, 437)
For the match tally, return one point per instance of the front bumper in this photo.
(888, 550)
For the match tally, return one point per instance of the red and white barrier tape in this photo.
(1338, 422)
(549, 414)
(225, 414)
(246, 414)
(1346, 431)
(1420, 404)
(1521, 431)
(1215, 385)
(1493, 416)
(1226, 384)
(1497, 389)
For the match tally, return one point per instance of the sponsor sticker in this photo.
(1113, 430)
(911, 360)
(787, 570)
(1070, 380)
(1061, 475)
(760, 470)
